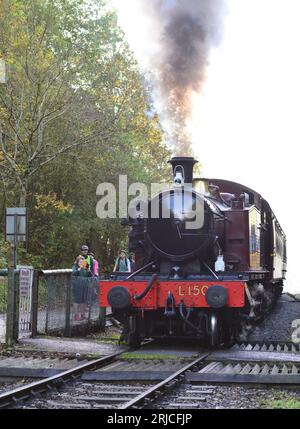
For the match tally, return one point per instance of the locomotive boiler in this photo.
(210, 258)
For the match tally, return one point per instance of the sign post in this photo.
(15, 231)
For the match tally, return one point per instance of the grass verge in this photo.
(148, 356)
(283, 404)
(3, 283)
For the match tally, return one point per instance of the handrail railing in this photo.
(49, 272)
(4, 272)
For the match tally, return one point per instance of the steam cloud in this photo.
(184, 31)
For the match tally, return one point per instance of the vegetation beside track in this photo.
(2, 295)
(281, 401)
(144, 356)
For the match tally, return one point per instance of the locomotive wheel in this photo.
(222, 332)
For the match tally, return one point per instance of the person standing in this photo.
(132, 262)
(95, 264)
(84, 251)
(122, 264)
(80, 273)
(94, 284)
(91, 285)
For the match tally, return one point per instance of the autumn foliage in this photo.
(75, 112)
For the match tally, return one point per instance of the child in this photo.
(122, 264)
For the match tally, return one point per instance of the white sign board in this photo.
(2, 71)
(16, 224)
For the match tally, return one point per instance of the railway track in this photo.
(274, 363)
(88, 385)
(114, 382)
(226, 373)
(36, 388)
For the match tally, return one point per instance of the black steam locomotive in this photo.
(210, 257)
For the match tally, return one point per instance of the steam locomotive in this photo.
(210, 262)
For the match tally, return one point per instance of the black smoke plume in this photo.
(186, 32)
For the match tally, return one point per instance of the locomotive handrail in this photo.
(149, 286)
(140, 270)
(212, 272)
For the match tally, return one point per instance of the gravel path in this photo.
(277, 326)
(70, 345)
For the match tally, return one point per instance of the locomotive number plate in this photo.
(192, 290)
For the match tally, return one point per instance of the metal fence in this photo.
(65, 304)
(51, 302)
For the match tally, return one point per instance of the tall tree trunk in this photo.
(23, 195)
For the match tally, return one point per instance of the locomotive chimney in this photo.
(183, 169)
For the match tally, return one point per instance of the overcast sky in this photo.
(246, 124)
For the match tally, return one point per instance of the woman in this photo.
(80, 273)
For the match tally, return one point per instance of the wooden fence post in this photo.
(102, 318)
(9, 337)
(17, 306)
(11, 298)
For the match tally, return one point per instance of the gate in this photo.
(25, 299)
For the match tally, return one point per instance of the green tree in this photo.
(48, 47)
(75, 112)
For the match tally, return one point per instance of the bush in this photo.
(3, 254)
(3, 283)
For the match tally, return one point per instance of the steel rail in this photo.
(32, 389)
(159, 389)
(267, 343)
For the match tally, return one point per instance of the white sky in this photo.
(246, 123)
